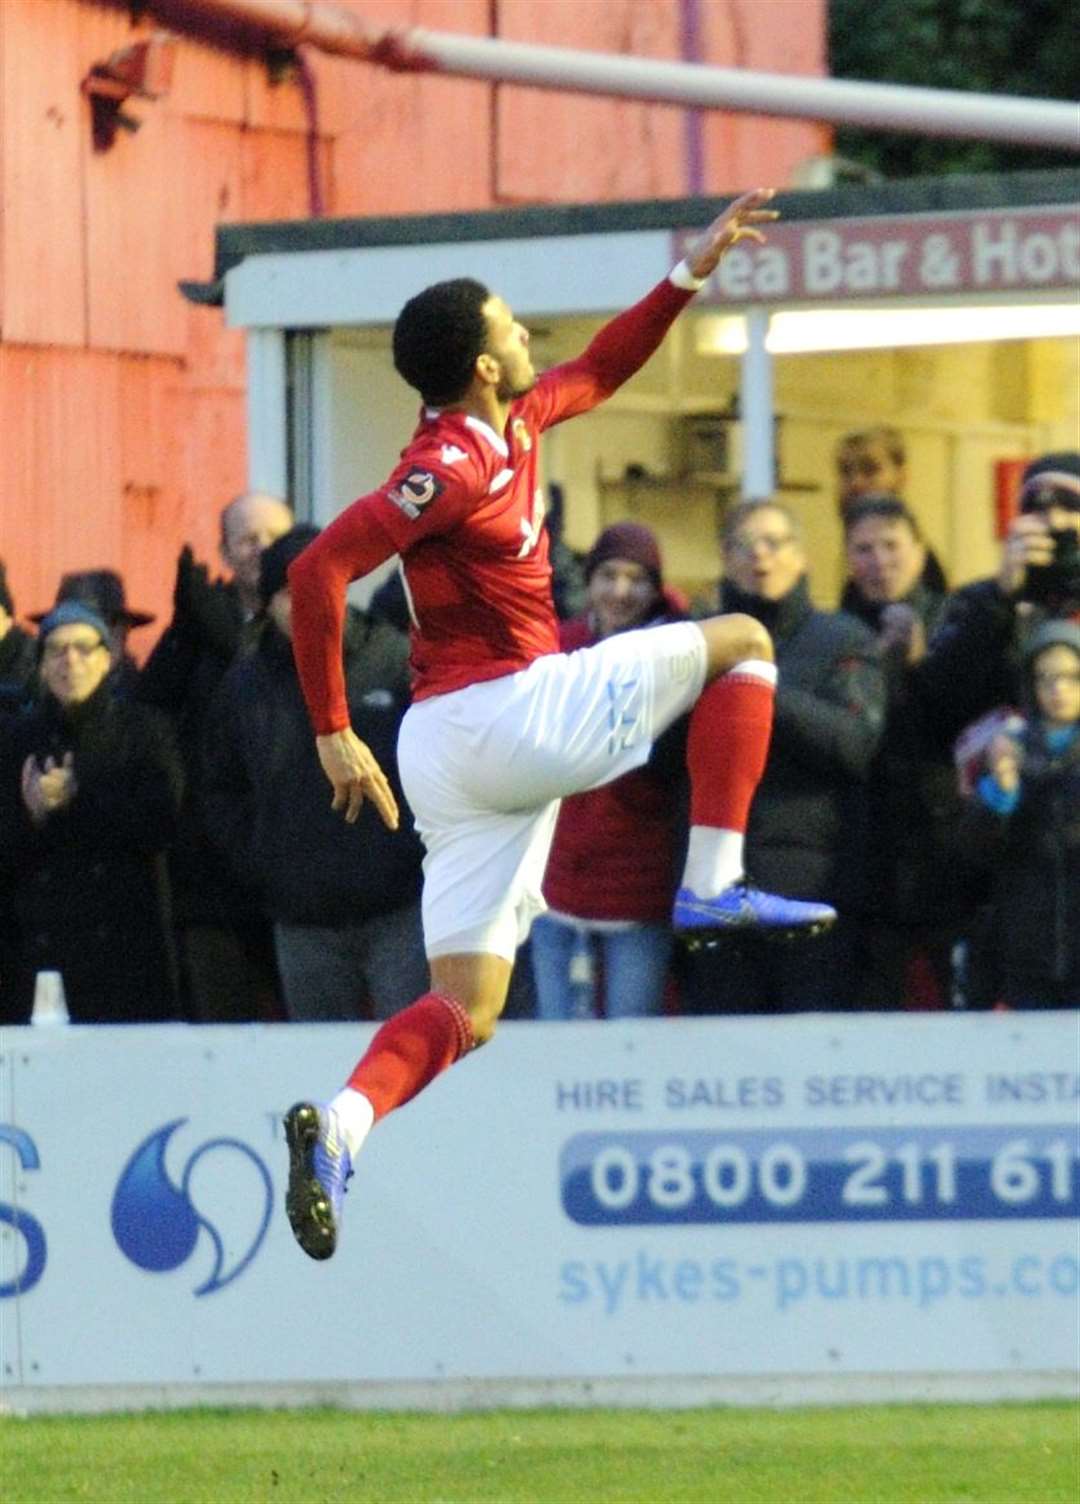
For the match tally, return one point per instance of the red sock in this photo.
(726, 749)
(411, 1049)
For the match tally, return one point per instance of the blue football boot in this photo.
(742, 909)
(319, 1170)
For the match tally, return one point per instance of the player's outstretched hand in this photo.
(355, 775)
(739, 221)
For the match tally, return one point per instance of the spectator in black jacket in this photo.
(808, 816)
(344, 899)
(920, 897)
(90, 789)
(224, 942)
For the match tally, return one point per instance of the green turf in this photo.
(918, 1454)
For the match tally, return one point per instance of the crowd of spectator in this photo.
(167, 843)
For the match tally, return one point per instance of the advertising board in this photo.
(799, 1196)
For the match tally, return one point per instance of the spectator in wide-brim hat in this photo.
(103, 591)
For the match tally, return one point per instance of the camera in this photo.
(1060, 579)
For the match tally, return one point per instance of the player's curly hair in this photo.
(437, 337)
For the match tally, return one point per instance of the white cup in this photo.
(50, 1004)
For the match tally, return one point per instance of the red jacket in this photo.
(615, 848)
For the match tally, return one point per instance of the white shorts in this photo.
(484, 768)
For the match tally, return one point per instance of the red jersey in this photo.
(465, 510)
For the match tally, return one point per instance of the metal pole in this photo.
(923, 112)
(267, 404)
(756, 409)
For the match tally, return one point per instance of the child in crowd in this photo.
(1024, 820)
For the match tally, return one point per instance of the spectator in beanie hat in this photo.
(89, 795)
(277, 556)
(604, 946)
(626, 540)
(1053, 480)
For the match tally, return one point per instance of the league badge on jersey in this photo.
(417, 491)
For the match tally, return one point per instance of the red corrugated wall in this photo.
(122, 406)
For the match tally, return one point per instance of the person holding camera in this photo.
(1023, 822)
(975, 661)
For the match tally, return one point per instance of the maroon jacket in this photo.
(615, 848)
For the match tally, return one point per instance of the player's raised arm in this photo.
(741, 220)
(624, 344)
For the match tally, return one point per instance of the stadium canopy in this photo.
(1003, 250)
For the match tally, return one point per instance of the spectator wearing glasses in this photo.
(1024, 821)
(808, 819)
(89, 794)
(975, 661)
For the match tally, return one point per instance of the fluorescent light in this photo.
(802, 331)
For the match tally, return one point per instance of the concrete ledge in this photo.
(448, 1396)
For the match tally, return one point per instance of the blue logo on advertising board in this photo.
(20, 1220)
(156, 1223)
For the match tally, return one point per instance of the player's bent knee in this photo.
(735, 638)
(483, 1027)
(484, 1014)
(479, 983)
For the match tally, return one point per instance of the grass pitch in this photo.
(902, 1454)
